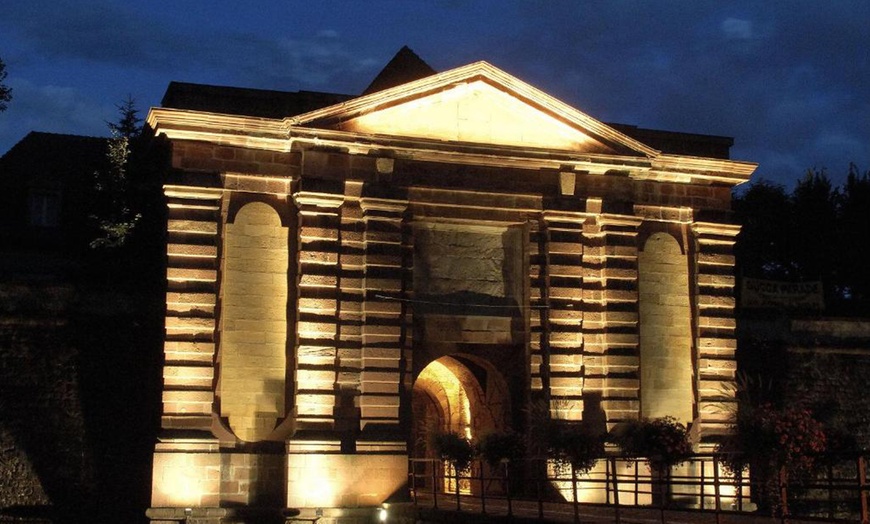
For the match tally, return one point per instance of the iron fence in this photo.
(545, 489)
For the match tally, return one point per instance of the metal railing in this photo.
(543, 489)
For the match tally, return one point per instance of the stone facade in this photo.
(442, 252)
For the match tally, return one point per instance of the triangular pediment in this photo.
(478, 104)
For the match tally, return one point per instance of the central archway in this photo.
(459, 394)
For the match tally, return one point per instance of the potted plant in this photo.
(775, 444)
(456, 450)
(662, 442)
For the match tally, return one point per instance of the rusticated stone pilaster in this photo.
(383, 329)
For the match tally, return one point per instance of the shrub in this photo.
(766, 440)
(495, 447)
(664, 442)
(455, 449)
(575, 445)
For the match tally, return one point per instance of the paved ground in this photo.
(470, 509)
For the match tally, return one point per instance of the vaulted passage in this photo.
(458, 394)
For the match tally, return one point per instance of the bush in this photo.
(496, 447)
(766, 440)
(664, 442)
(575, 445)
(455, 449)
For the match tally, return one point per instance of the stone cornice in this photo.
(276, 135)
(312, 199)
(713, 228)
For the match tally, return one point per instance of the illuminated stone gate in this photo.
(458, 245)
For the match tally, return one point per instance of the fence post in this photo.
(717, 491)
(538, 488)
(482, 488)
(413, 469)
(507, 488)
(783, 494)
(862, 489)
(436, 465)
(637, 483)
(662, 492)
(456, 474)
(614, 472)
(574, 491)
(830, 483)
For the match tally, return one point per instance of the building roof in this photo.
(678, 143)
(249, 102)
(405, 67)
(53, 152)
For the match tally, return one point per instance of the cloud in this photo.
(737, 29)
(54, 109)
(767, 76)
(786, 80)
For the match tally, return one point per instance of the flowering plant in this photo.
(575, 445)
(662, 441)
(769, 441)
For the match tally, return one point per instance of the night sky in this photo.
(789, 80)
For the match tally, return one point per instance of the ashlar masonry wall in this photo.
(254, 322)
(666, 361)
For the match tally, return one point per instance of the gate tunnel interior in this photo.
(459, 394)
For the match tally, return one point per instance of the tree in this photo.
(813, 230)
(818, 232)
(5, 91)
(764, 248)
(112, 213)
(129, 124)
(855, 238)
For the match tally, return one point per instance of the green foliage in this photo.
(496, 447)
(818, 231)
(113, 217)
(112, 214)
(664, 442)
(575, 445)
(129, 124)
(454, 449)
(766, 440)
(5, 91)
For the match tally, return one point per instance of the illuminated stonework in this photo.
(436, 254)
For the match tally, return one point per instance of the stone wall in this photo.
(820, 363)
(828, 366)
(78, 391)
(254, 322)
(665, 330)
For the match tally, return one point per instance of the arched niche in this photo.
(666, 363)
(252, 365)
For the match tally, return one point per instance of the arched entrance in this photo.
(460, 394)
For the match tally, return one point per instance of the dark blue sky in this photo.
(789, 80)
